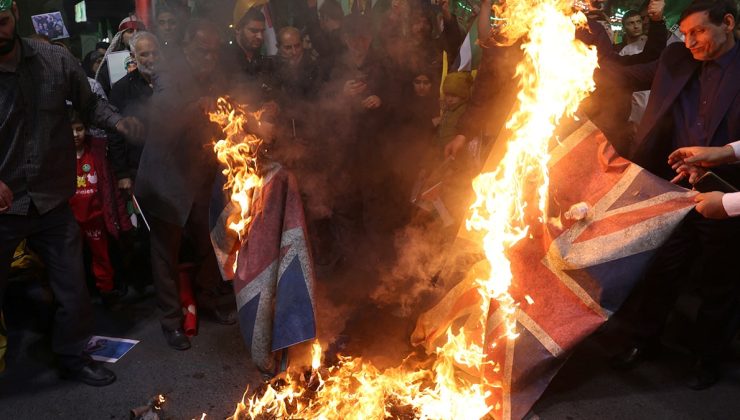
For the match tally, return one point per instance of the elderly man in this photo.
(131, 96)
(296, 74)
(694, 101)
(175, 177)
(37, 178)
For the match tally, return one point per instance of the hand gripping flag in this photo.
(575, 273)
(274, 276)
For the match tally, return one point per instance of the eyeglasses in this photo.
(422, 82)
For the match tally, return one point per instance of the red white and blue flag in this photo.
(274, 276)
(575, 273)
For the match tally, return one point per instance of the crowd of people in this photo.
(357, 104)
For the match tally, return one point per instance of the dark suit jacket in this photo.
(666, 78)
(178, 165)
(131, 96)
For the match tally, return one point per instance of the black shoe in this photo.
(634, 355)
(220, 315)
(703, 374)
(92, 373)
(176, 338)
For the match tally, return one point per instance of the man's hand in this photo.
(705, 157)
(126, 185)
(655, 10)
(354, 88)
(454, 146)
(371, 102)
(690, 161)
(6, 197)
(710, 205)
(693, 172)
(130, 128)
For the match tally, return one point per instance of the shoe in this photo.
(91, 373)
(634, 355)
(703, 374)
(176, 338)
(220, 315)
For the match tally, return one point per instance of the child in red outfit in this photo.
(96, 205)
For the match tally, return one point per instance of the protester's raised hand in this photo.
(371, 102)
(710, 205)
(131, 128)
(706, 157)
(655, 10)
(6, 197)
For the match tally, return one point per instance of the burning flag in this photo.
(571, 275)
(495, 341)
(260, 239)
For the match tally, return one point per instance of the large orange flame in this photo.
(238, 152)
(555, 75)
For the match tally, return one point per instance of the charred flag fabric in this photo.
(271, 267)
(569, 275)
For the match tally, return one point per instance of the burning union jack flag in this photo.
(569, 275)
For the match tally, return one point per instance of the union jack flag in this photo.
(274, 276)
(569, 276)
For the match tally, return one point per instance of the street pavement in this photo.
(212, 376)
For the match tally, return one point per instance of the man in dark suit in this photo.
(694, 101)
(176, 173)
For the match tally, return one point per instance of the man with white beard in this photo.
(131, 95)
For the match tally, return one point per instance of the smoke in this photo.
(415, 275)
(378, 263)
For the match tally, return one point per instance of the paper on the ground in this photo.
(109, 349)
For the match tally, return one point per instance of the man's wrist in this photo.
(735, 149)
(731, 203)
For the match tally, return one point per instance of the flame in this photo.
(501, 211)
(238, 152)
(316, 355)
(508, 201)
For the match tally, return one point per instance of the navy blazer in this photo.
(666, 78)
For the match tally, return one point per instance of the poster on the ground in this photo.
(51, 25)
(109, 349)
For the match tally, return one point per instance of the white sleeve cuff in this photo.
(731, 203)
(736, 147)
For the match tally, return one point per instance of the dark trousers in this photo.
(166, 239)
(718, 242)
(55, 236)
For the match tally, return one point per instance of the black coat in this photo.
(178, 165)
(131, 96)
